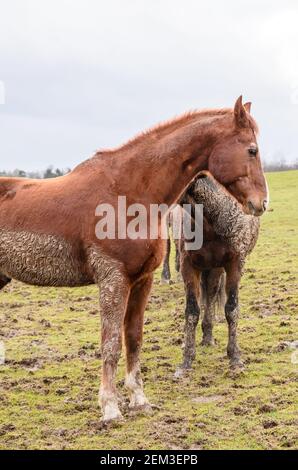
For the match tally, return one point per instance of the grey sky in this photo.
(82, 75)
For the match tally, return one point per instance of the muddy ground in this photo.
(49, 382)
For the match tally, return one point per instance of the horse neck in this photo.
(168, 165)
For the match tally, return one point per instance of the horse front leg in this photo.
(114, 292)
(133, 330)
(233, 272)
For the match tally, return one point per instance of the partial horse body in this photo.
(48, 227)
(229, 236)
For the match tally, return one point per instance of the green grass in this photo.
(49, 384)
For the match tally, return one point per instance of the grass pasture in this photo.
(49, 382)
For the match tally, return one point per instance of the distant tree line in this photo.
(50, 172)
(281, 165)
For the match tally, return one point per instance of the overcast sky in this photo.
(86, 74)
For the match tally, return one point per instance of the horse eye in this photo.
(253, 151)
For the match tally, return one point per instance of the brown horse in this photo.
(229, 236)
(48, 227)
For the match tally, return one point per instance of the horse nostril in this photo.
(265, 204)
(257, 210)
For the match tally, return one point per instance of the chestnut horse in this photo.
(48, 227)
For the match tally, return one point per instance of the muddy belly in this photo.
(42, 260)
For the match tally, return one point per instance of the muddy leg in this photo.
(207, 327)
(191, 279)
(133, 328)
(192, 314)
(232, 314)
(114, 291)
(3, 281)
(166, 272)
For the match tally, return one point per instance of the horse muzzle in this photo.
(257, 209)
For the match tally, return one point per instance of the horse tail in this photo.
(213, 291)
(221, 295)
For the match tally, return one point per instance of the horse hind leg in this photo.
(4, 280)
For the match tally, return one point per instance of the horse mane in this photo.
(167, 127)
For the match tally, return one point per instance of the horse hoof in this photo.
(109, 421)
(145, 409)
(112, 414)
(237, 367)
(180, 373)
(165, 281)
(208, 342)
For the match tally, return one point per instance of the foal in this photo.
(48, 228)
(229, 236)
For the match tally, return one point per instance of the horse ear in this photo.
(247, 107)
(240, 113)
